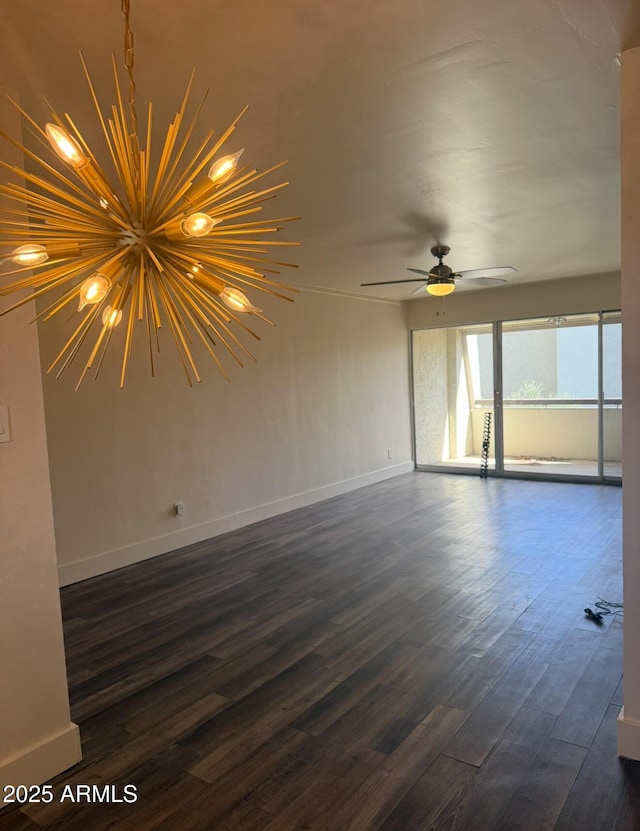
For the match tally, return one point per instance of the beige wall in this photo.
(570, 433)
(629, 723)
(37, 739)
(430, 391)
(591, 293)
(315, 416)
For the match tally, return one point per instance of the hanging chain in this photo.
(134, 143)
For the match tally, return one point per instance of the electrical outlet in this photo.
(390, 453)
(178, 508)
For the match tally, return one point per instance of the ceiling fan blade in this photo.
(476, 273)
(420, 271)
(480, 282)
(422, 288)
(392, 282)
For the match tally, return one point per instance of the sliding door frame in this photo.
(498, 470)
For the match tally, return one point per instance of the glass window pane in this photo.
(453, 393)
(550, 399)
(612, 390)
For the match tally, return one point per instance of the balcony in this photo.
(549, 436)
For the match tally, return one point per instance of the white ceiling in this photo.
(491, 125)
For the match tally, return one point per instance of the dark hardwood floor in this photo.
(412, 655)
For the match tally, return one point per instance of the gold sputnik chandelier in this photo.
(174, 247)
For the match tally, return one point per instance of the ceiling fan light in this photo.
(441, 288)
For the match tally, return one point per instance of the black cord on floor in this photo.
(604, 607)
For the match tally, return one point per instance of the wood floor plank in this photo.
(413, 654)
(487, 724)
(585, 709)
(377, 796)
(433, 801)
(563, 674)
(599, 792)
(537, 802)
(488, 797)
(380, 669)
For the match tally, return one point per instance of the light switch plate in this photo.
(5, 430)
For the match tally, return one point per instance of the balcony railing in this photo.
(550, 402)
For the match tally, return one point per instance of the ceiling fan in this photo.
(441, 280)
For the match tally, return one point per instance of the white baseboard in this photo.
(628, 737)
(117, 558)
(42, 762)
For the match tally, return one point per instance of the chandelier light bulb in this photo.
(237, 300)
(31, 254)
(224, 167)
(197, 225)
(93, 290)
(111, 317)
(66, 147)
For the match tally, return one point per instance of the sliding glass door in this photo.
(550, 395)
(453, 397)
(612, 394)
(538, 398)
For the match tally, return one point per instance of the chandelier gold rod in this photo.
(77, 234)
(193, 167)
(105, 331)
(157, 322)
(230, 242)
(153, 321)
(167, 180)
(205, 335)
(34, 157)
(256, 285)
(54, 277)
(128, 346)
(105, 189)
(98, 110)
(121, 149)
(74, 228)
(55, 307)
(250, 198)
(226, 329)
(120, 304)
(22, 194)
(141, 284)
(147, 159)
(161, 183)
(104, 340)
(256, 223)
(249, 178)
(74, 343)
(238, 268)
(192, 170)
(127, 149)
(177, 333)
(225, 315)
